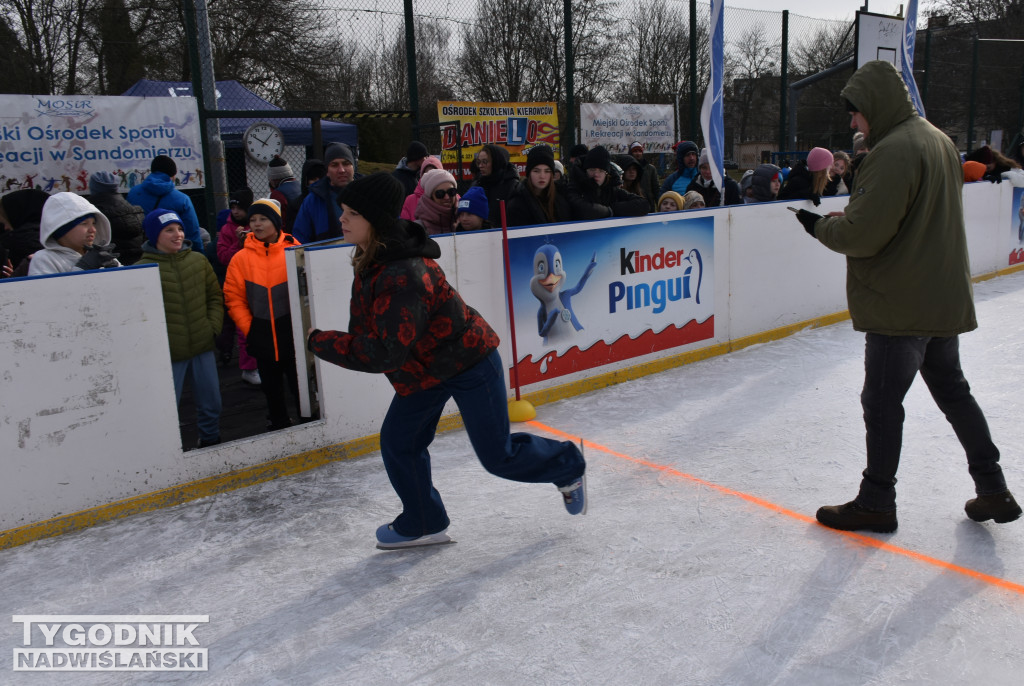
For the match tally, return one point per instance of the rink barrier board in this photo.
(235, 465)
(304, 461)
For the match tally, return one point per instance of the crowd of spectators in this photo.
(46, 234)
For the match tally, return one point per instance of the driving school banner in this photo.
(516, 126)
(592, 297)
(55, 142)
(615, 126)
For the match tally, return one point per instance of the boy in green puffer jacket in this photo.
(194, 309)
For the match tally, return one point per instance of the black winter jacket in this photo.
(587, 200)
(499, 183)
(799, 184)
(125, 225)
(523, 208)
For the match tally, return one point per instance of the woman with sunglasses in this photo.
(437, 208)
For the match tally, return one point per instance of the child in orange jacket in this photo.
(256, 295)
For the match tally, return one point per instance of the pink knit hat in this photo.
(434, 178)
(818, 159)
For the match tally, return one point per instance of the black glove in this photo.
(816, 199)
(98, 257)
(808, 219)
(993, 178)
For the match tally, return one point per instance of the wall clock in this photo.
(262, 141)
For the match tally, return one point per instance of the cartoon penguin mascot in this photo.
(556, 320)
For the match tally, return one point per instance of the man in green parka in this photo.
(908, 285)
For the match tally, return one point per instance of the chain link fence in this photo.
(388, 56)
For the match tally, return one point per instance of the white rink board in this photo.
(88, 399)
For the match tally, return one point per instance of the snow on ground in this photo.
(698, 561)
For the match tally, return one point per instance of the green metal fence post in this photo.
(927, 59)
(570, 67)
(195, 67)
(693, 70)
(784, 83)
(974, 95)
(410, 59)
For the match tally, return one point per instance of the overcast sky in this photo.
(832, 9)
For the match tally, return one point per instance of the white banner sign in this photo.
(55, 142)
(615, 126)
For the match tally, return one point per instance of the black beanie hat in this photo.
(164, 164)
(242, 196)
(378, 197)
(597, 158)
(578, 150)
(416, 151)
(541, 154)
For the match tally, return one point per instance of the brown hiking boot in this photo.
(853, 517)
(1000, 507)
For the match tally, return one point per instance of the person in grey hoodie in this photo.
(75, 236)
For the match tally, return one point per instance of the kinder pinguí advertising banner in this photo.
(55, 142)
(592, 297)
(516, 126)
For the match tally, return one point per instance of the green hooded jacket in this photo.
(907, 270)
(193, 301)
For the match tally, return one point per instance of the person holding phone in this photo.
(908, 283)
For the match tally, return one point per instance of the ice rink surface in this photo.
(698, 561)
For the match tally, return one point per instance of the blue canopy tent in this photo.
(231, 95)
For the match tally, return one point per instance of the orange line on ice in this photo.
(859, 538)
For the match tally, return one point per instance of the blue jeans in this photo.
(479, 392)
(890, 365)
(202, 369)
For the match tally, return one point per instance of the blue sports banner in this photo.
(909, 38)
(711, 115)
(590, 297)
(55, 142)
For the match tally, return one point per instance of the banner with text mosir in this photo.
(55, 142)
(615, 126)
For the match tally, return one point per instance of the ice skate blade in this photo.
(421, 542)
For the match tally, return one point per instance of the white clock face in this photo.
(263, 141)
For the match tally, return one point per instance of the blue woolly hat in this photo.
(155, 222)
(475, 202)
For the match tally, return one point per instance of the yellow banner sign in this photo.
(516, 126)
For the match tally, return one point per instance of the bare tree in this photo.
(752, 69)
(655, 59)
(593, 47)
(119, 59)
(496, 50)
(50, 33)
(976, 11)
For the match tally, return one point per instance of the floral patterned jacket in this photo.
(406, 320)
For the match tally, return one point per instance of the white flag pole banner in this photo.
(711, 114)
(617, 125)
(55, 142)
(909, 39)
